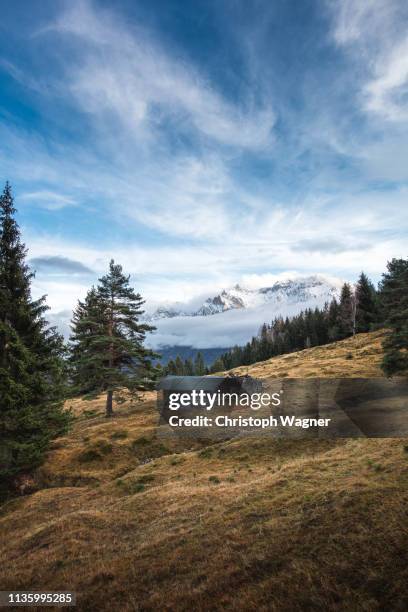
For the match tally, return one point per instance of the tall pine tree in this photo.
(107, 352)
(394, 302)
(199, 365)
(346, 315)
(171, 368)
(333, 316)
(179, 366)
(87, 323)
(366, 304)
(31, 365)
(188, 367)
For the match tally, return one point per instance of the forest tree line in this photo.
(358, 310)
(106, 351)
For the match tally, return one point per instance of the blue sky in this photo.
(204, 143)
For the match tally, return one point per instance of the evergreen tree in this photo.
(366, 304)
(333, 320)
(247, 354)
(199, 365)
(346, 312)
(179, 366)
(218, 366)
(321, 325)
(188, 367)
(107, 349)
(87, 322)
(263, 348)
(160, 371)
(394, 300)
(171, 368)
(31, 366)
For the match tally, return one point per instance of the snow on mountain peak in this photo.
(290, 291)
(235, 314)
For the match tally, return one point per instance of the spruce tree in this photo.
(179, 366)
(171, 368)
(366, 304)
(107, 351)
(188, 367)
(333, 320)
(263, 351)
(346, 312)
(199, 365)
(218, 365)
(394, 301)
(87, 323)
(31, 360)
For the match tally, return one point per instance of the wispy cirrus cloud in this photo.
(48, 199)
(126, 71)
(375, 32)
(387, 91)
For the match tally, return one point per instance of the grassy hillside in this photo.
(134, 521)
(358, 356)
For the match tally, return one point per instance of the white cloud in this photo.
(358, 19)
(387, 92)
(48, 199)
(186, 197)
(224, 329)
(126, 72)
(375, 33)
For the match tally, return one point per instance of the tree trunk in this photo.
(109, 403)
(354, 313)
(109, 396)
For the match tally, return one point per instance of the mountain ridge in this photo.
(298, 289)
(232, 316)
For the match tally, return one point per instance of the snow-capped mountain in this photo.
(282, 292)
(234, 315)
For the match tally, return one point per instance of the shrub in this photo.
(176, 460)
(145, 478)
(119, 434)
(206, 453)
(89, 455)
(90, 413)
(104, 446)
(140, 442)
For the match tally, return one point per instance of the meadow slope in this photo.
(132, 520)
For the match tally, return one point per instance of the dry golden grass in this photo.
(354, 357)
(151, 523)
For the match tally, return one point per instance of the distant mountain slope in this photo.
(293, 291)
(234, 315)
